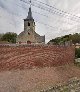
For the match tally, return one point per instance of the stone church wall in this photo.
(22, 57)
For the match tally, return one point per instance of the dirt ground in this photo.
(36, 79)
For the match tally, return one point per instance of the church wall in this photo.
(22, 57)
(27, 36)
(32, 36)
(40, 39)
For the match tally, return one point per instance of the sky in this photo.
(49, 21)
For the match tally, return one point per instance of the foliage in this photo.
(10, 37)
(75, 38)
(77, 64)
(77, 55)
(77, 52)
(1, 36)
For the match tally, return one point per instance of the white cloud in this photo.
(12, 15)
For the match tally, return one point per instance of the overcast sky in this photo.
(12, 13)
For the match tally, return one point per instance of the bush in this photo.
(10, 37)
(77, 52)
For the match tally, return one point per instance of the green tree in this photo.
(1, 34)
(75, 38)
(10, 37)
(77, 52)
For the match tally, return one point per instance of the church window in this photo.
(28, 24)
(28, 33)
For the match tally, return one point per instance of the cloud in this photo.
(13, 12)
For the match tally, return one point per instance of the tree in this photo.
(75, 38)
(10, 37)
(1, 34)
(77, 52)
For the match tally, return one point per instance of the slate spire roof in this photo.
(29, 14)
(29, 17)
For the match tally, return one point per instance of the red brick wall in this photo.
(22, 57)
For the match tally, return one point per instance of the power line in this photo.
(32, 11)
(35, 21)
(57, 9)
(40, 13)
(46, 16)
(65, 15)
(46, 25)
(41, 22)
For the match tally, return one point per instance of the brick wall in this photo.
(21, 57)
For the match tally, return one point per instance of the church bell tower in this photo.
(29, 23)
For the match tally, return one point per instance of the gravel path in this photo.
(34, 80)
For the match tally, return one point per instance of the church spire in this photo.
(30, 13)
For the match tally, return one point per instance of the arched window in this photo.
(28, 24)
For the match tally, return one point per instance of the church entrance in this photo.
(28, 42)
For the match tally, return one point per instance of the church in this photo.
(29, 36)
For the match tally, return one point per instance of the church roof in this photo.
(29, 17)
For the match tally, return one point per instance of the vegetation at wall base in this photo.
(77, 52)
(77, 64)
(77, 56)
